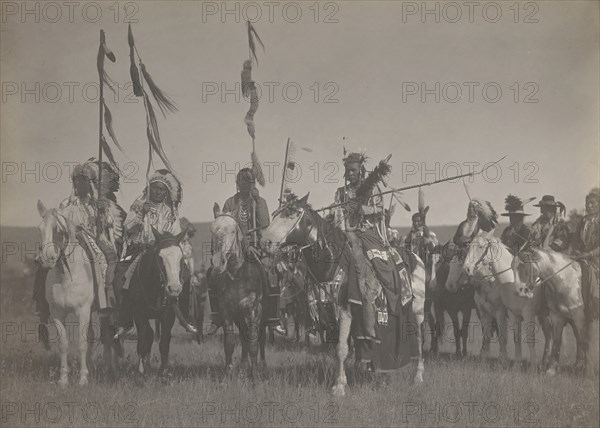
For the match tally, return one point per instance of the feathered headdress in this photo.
(175, 188)
(488, 218)
(514, 205)
(379, 173)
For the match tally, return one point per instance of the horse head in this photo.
(484, 251)
(56, 233)
(452, 266)
(227, 242)
(292, 224)
(169, 258)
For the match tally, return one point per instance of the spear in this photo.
(415, 186)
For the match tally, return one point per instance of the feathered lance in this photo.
(415, 186)
(164, 102)
(103, 77)
(249, 90)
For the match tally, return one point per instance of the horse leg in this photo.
(558, 325)
(466, 324)
(438, 334)
(85, 326)
(144, 343)
(164, 346)
(157, 330)
(530, 330)
(342, 351)
(244, 331)
(487, 324)
(229, 343)
(501, 317)
(546, 324)
(578, 325)
(456, 328)
(420, 319)
(591, 338)
(515, 323)
(252, 338)
(63, 348)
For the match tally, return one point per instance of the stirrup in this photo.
(121, 332)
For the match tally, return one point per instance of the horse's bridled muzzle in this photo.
(174, 290)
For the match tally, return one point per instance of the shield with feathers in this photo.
(378, 175)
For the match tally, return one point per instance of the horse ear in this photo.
(304, 198)
(426, 210)
(156, 233)
(216, 210)
(180, 235)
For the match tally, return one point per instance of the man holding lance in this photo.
(248, 207)
(550, 229)
(87, 207)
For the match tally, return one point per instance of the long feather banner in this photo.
(378, 174)
(108, 122)
(103, 51)
(251, 33)
(133, 70)
(109, 154)
(164, 102)
(153, 134)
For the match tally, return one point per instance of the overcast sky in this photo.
(361, 76)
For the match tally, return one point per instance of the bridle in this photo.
(63, 229)
(481, 259)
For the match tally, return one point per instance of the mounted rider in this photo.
(87, 208)
(550, 229)
(516, 233)
(381, 276)
(157, 207)
(248, 207)
(587, 245)
(423, 242)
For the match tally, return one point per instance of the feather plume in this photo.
(109, 127)
(249, 118)
(488, 218)
(108, 152)
(256, 166)
(251, 33)
(163, 100)
(513, 203)
(153, 134)
(401, 202)
(133, 70)
(379, 173)
(102, 74)
(528, 200)
(247, 78)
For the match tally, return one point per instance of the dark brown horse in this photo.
(155, 286)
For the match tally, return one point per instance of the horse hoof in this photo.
(63, 382)
(83, 381)
(551, 372)
(338, 390)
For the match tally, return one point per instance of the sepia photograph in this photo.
(300, 213)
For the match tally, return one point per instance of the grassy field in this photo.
(293, 391)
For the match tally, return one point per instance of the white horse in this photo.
(561, 276)
(69, 286)
(487, 251)
(296, 223)
(488, 303)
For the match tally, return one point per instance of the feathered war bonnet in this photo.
(89, 170)
(488, 218)
(356, 157)
(173, 185)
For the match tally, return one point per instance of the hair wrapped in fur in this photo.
(379, 173)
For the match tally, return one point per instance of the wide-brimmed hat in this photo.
(514, 206)
(548, 201)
